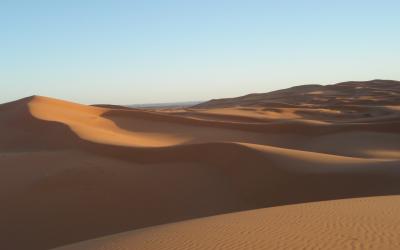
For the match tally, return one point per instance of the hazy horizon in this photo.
(130, 52)
(194, 102)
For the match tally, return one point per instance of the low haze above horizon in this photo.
(128, 52)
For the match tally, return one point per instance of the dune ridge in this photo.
(101, 170)
(352, 93)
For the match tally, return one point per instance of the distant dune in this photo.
(375, 92)
(165, 105)
(71, 172)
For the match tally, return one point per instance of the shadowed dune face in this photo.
(70, 172)
(20, 130)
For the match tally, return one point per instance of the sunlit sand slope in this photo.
(365, 223)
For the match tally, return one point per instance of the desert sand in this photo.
(72, 172)
(358, 223)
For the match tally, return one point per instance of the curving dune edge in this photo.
(72, 172)
(363, 223)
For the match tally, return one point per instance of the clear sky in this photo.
(124, 52)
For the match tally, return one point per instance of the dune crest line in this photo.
(72, 172)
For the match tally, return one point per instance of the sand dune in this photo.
(365, 223)
(375, 92)
(71, 172)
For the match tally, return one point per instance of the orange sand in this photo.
(71, 172)
(367, 223)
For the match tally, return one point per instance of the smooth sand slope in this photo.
(363, 223)
(71, 172)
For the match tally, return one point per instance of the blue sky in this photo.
(123, 52)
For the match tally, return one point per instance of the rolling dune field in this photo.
(311, 167)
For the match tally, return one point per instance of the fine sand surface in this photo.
(358, 223)
(72, 172)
